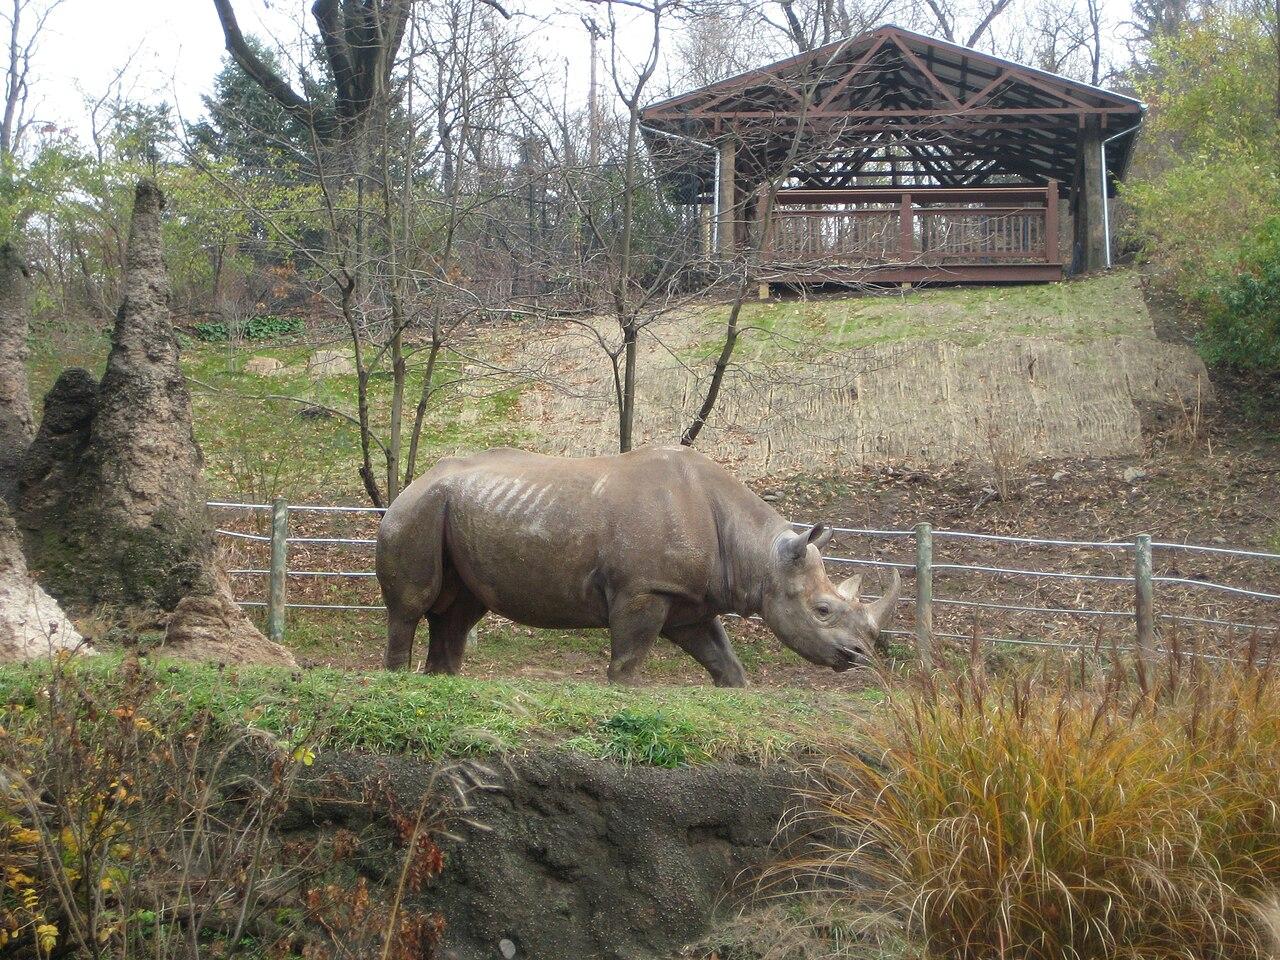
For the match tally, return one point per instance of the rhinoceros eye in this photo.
(822, 609)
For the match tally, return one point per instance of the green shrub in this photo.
(1056, 821)
(1242, 308)
(265, 327)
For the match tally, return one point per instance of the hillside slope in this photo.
(1002, 375)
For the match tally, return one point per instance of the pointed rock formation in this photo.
(112, 493)
(16, 426)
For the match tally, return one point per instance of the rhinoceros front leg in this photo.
(709, 645)
(634, 625)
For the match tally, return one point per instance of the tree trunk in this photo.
(16, 426)
(627, 412)
(124, 521)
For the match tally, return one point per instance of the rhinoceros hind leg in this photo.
(709, 645)
(449, 631)
(634, 625)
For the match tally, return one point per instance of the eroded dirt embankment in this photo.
(568, 858)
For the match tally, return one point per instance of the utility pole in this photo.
(593, 94)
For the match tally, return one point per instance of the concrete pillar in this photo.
(728, 197)
(1090, 228)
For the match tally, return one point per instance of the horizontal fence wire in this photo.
(1074, 611)
(243, 536)
(1232, 551)
(871, 563)
(307, 573)
(1016, 572)
(1217, 623)
(1116, 545)
(1210, 585)
(1038, 541)
(344, 541)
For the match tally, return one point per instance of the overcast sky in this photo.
(177, 48)
(180, 48)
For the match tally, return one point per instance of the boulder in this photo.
(32, 625)
(264, 367)
(331, 363)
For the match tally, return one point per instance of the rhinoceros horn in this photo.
(851, 589)
(882, 610)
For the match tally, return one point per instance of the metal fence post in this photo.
(279, 569)
(924, 594)
(1144, 601)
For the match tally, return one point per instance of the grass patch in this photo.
(262, 448)
(439, 717)
(257, 449)
(1078, 311)
(347, 639)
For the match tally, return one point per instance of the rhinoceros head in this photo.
(826, 623)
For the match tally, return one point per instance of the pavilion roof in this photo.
(891, 103)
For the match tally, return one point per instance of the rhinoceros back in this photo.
(546, 541)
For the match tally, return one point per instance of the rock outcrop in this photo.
(32, 625)
(16, 427)
(112, 492)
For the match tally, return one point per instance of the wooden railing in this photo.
(988, 225)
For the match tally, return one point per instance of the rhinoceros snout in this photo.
(849, 656)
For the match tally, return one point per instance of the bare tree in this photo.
(25, 23)
(415, 85)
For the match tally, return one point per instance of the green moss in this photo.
(85, 562)
(436, 716)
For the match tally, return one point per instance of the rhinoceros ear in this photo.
(794, 546)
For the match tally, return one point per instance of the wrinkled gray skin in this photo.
(656, 542)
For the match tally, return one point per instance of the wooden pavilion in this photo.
(899, 157)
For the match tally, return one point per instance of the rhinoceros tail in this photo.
(410, 564)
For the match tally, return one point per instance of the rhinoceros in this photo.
(656, 542)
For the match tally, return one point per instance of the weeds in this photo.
(1064, 818)
(129, 825)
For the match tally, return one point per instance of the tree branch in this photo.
(261, 73)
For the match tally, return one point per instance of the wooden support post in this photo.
(1091, 190)
(705, 227)
(1144, 605)
(906, 231)
(279, 570)
(727, 227)
(924, 594)
(764, 222)
(1051, 251)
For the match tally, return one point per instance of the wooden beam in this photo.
(843, 82)
(928, 74)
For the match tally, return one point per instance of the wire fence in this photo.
(1142, 589)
